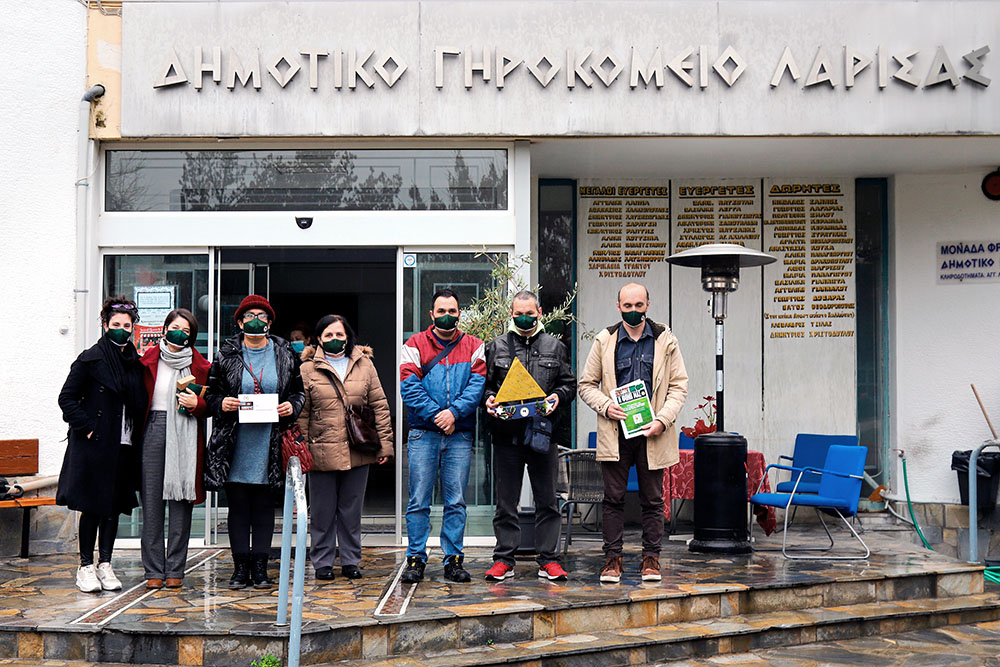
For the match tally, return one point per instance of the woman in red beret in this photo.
(245, 458)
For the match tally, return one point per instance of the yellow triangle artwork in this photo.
(518, 385)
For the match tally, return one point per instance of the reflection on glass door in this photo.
(234, 282)
(469, 276)
(158, 284)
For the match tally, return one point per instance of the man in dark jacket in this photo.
(547, 360)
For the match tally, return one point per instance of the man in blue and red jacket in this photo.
(442, 373)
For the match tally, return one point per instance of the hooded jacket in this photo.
(322, 417)
(455, 383)
(669, 391)
(225, 378)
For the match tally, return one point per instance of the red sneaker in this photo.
(553, 572)
(499, 572)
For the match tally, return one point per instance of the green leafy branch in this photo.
(489, 316)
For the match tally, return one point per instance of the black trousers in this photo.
(509, 461)
(632, 451)
(250, 512)
(90, 526)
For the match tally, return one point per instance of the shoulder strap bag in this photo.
(425, 369)
(362, 436)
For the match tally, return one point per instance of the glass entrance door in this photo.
(468, 274)
(233, 282)
(160, 282)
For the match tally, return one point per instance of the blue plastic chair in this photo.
(810, 452)
(633, 476)
(838, 495)
(685, 442)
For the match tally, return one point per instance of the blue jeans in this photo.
(430, 454)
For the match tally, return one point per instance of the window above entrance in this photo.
(306, 180)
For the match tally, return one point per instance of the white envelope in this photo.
(258, 408)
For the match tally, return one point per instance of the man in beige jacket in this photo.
(634, 349)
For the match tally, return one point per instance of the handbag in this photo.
(362, 436)
(294, 444)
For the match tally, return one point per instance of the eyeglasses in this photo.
(260, 316)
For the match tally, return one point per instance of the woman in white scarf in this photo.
(172, 454)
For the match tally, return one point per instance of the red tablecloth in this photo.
(678, 483)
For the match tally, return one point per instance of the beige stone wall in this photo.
(946, 528)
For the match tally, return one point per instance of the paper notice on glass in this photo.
(258, 408)
(634, 400)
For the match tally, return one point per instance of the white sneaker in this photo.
(106, 575)
(86, 579)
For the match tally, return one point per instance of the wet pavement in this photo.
(39, 593)
(715, 598)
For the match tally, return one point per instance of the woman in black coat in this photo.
(103, 401)
(245, 459)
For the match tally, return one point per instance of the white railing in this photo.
(974, 500)
(294, 492)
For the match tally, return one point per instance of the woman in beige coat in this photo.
(339, 474)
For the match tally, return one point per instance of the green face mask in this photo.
(334, 345)
(446, 322)
(255, 327)
(177, 337)
(633, 317)
(525, 322)
(119, 336)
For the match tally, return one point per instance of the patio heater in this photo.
(720, 476)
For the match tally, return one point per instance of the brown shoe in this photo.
(651, 568)
(173, 583)
(611, 573)
(154, 584)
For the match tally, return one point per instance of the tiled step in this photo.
(714, 636)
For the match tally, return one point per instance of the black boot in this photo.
(453, 570)
(241, 572)
(414, 571)
(259, 571)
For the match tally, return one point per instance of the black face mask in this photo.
(633, 317)
(525, 322)
(446, 322)
(334, 345)
(119, 336)
(255, 327)
(177, 337)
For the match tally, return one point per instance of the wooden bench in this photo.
(19, 458)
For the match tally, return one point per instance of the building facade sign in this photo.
(968, 262)
(796, 313)
(494, 69)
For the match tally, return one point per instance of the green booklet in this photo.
(633, 398)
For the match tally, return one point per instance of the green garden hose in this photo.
(913, 517)
(991, 574)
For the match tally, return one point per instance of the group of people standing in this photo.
(131, 429)
(446, 375)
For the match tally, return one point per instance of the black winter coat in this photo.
(546, 359)
(99, 474)
(225, 378)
